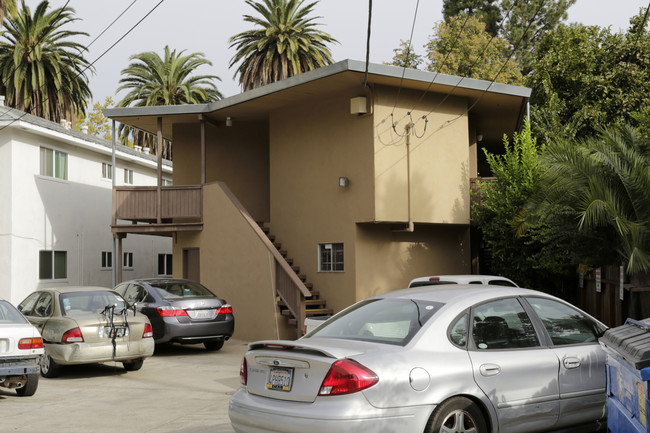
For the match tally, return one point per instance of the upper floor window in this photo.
(128, 260)
(107, 260)
(107, 171)
(54, 163)
(330, 257)
(167, 182)
(128, 176)
(52, 265)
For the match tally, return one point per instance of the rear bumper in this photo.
(196, 332)
(352, 413)
(87, 353)
(18, 367)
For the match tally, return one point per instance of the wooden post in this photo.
(159, 146)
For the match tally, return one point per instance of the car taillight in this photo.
(243, 372)
(73, 336)
(30, 343)
(167, 311)
(346, 376)
(225, 309)
(434, 279)
(148, 331)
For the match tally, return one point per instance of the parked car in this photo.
(85, 325)
(435, 359)
(181, 311)
(462, 279)
(21, 347)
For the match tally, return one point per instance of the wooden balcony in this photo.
(157, 210)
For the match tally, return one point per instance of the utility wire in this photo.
(408, 52)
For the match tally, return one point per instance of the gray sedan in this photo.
(437, 359)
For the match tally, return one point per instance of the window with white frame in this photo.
(330, 257)
(52, 265)
(127, 261)
(164, 264)
(167, 182)
(54, 163)
(107, 260)
(128, 176)
(107, 171)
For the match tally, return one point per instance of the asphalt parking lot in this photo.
(180, 389)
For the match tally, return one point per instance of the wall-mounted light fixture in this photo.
(228, 121)
(344, 182)
(479, 137)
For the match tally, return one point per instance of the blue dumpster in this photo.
(628, 374)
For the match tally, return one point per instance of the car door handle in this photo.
(489, 369)
(571, 362)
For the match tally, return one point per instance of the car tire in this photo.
(213, 346)
(133, 365)
(49, 368)
(457, 415)
(30, 387)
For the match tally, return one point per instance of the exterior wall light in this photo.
(228, 121)
(344, 182)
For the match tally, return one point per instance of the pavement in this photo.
(180, 389)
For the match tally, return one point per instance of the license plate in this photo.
(118, 331)
(201, 314)
(280, 379)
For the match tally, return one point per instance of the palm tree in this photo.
(153, 80)
(7, 6)
(43, 71)
(285, 43)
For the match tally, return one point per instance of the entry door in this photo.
(192, 264)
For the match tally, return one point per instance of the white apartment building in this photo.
(55, 208)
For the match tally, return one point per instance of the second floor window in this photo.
(52, 265)
(128, 176)
(128, 260)
(107, 170)
(54, 163)
(107, 260)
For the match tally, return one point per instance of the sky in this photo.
(205, 26)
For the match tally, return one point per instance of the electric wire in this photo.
(408, 51)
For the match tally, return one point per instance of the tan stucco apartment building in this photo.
(311, 193)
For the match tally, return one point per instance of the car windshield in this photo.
(391, 321)
(9, 314)
(80, 303)
(182, 289)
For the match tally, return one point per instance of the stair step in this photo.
(314, 302)
(296, 269)
(302, 277)
(309, 286)
(320, 312)
(271, 237)
(283, 253)
(289, 260)
(292, 321)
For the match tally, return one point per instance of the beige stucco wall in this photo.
(439, 157)
(237, 266)
(237, 155)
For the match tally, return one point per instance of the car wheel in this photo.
(134, 365)
(30, 387)
(213, 346)
(49, 368)
(457, 415)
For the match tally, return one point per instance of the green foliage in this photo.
(285, 43)
(587, 77)
(405, 56)
(97, 124)
(43, 71)
(486, 10)
(462, 47)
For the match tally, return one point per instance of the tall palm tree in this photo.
(286, 43)
(7, 6)
(43, 71)
(153, 80)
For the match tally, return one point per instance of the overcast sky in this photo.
(206, 25)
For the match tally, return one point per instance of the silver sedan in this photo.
(461, 358)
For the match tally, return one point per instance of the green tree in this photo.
(586, 77)
(152, 80)
(487, 11)
(462, 47)
(285, 43)
(7, 6)
(97, 124)
(42, 68)
(405, 56)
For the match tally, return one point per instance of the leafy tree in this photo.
(487, 11)
(43, 70)
(285, 43)
(405, 56)
(462, 47)
(153, 80)
(586, 77)
(97, 124)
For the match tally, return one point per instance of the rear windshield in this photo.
(169, 290)
(9, 314)
(390, 321)
(83, 303)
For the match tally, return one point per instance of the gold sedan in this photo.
(84, 325)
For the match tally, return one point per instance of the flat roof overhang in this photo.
(495, 108)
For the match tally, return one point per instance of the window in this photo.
(565, 325)
(128, 176)
(107, 260)
(167, 182)
(127, 260)
(458, 331)
(54, 163)
(330, 257)
(107, 171)
(52, 265)
(502, 324)
(164, 264)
